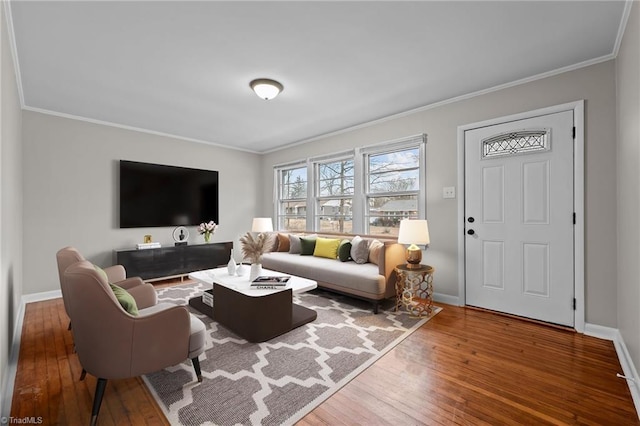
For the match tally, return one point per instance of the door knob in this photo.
(471, 219)
(471, 232)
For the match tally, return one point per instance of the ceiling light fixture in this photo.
(265, 88)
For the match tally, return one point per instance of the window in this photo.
(393, 189)
(334, 195)
(292, 198)
(363, 191)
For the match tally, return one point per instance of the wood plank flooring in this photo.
(463, 367)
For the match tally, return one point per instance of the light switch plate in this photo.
(449, 192)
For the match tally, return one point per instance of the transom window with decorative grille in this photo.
(514, 143)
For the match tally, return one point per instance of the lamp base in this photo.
(414, 257)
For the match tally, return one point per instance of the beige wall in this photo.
(11, 281)
(628, 107)
(595, 84)
(70, 190)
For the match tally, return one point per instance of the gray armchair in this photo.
(116, 274)
(112, 344)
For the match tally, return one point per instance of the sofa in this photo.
(371, 276)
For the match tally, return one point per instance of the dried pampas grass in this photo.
(253, 247)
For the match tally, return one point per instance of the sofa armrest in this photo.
(144, 294)
(115, 273)
(393, 255)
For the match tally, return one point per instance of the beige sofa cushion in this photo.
(365, 279)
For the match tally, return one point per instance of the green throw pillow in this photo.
(102, 273)
(126, 299)
(307, 245)
(344, 250)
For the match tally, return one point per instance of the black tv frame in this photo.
(157, 195)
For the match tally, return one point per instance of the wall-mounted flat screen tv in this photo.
(154, 195)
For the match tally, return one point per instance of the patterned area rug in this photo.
(279, 381)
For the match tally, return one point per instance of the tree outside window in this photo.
(334, 196)
(393, 181)
(292, 202)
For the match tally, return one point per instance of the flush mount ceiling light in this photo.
(265, 88)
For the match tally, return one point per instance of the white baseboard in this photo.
(445, 298)
(12, 367)
(601, 332)
(39, 297)
(628, 368)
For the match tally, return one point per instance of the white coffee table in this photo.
(256, 315)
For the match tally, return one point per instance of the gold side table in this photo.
(414, 289)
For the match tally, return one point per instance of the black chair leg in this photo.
(97, 400)
(196, 366)
(83, 374)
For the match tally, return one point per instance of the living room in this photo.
(59, 185)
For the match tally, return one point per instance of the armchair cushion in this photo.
(125, 299)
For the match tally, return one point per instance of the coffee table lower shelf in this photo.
(255, 319)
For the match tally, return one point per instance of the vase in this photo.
(256, 271)
(207, 237)
(231, 266)
(241, 270)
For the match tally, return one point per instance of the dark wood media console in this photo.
(172, 261)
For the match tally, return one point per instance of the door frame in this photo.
(578, 201)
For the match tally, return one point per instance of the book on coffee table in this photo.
(270, 281)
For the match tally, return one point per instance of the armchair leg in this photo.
(83, 374)
(97, 400)
(196, 366)
(69, 328)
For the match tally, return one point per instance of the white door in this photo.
(519, 221)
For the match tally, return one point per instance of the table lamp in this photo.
(413, 232)
(262, 224)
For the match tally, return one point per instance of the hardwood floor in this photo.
(463, 367)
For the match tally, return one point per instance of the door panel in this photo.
(493, 194)
(519, 188)
(535, 193)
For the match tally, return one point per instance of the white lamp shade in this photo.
(262, 224)
(413, 232)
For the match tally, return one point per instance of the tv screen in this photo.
(156, 195)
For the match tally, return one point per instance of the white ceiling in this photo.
(183, 68)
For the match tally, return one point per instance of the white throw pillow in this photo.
(359, 249)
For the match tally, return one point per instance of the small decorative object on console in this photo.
(180, 235)
(142, 246)
(207, 230)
